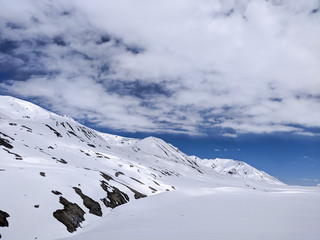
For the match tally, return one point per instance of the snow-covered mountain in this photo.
(236, 169)
(58, 177)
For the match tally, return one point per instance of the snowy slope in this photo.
(236, 169)
(59, 178)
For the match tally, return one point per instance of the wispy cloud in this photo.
(310, 179)
(193, 67)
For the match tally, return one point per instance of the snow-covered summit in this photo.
(237, 169)
(159, 148)
(60, 172)
(19, 109)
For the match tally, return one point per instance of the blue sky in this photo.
(204, 75)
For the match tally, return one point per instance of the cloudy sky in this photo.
(201, 68)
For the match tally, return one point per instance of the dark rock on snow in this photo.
(5, 142)
(56, 192)
(3, 219)
(71, 216)
(93, 206)
(114, 196)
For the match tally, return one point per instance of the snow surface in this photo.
(223, 213)
(187, 197)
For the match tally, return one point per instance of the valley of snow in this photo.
(62, 180)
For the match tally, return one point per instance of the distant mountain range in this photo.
(58, 175)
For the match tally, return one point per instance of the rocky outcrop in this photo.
(137, 195)
(71, 216)
(55, 131)
(6, 143)
(3, 219)
(114, 196)
(93, 206)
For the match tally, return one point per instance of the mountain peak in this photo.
(66, 173)
(19, 109)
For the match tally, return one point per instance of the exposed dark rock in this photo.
(71, 216)
(93, 206)
(3, 219)
(55, 131)
(50, 147)
(56, 192)
(61, 160)
(91, 145)
(233, 171)
(12, 124)
(5, 135)
(37, 206)
(136, 149)
(106, 176)
(72, 133)
(137, 180)
(199, 171)
(114, 196)
(17, 156)
(196, 169)
(85, 152)
(137, 194)
(28, 129)
(169, 173)
(156, 183)
(99, 155)
(153, 189)
(119, 173)
(6, 143)
(43, 174)
(87, 132)
(70, 126)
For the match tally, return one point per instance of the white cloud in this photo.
(309, 179)
(231, 135)
(244, 66)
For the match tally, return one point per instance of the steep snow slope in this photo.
(59, 178)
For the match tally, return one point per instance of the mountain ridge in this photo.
(64, 170)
